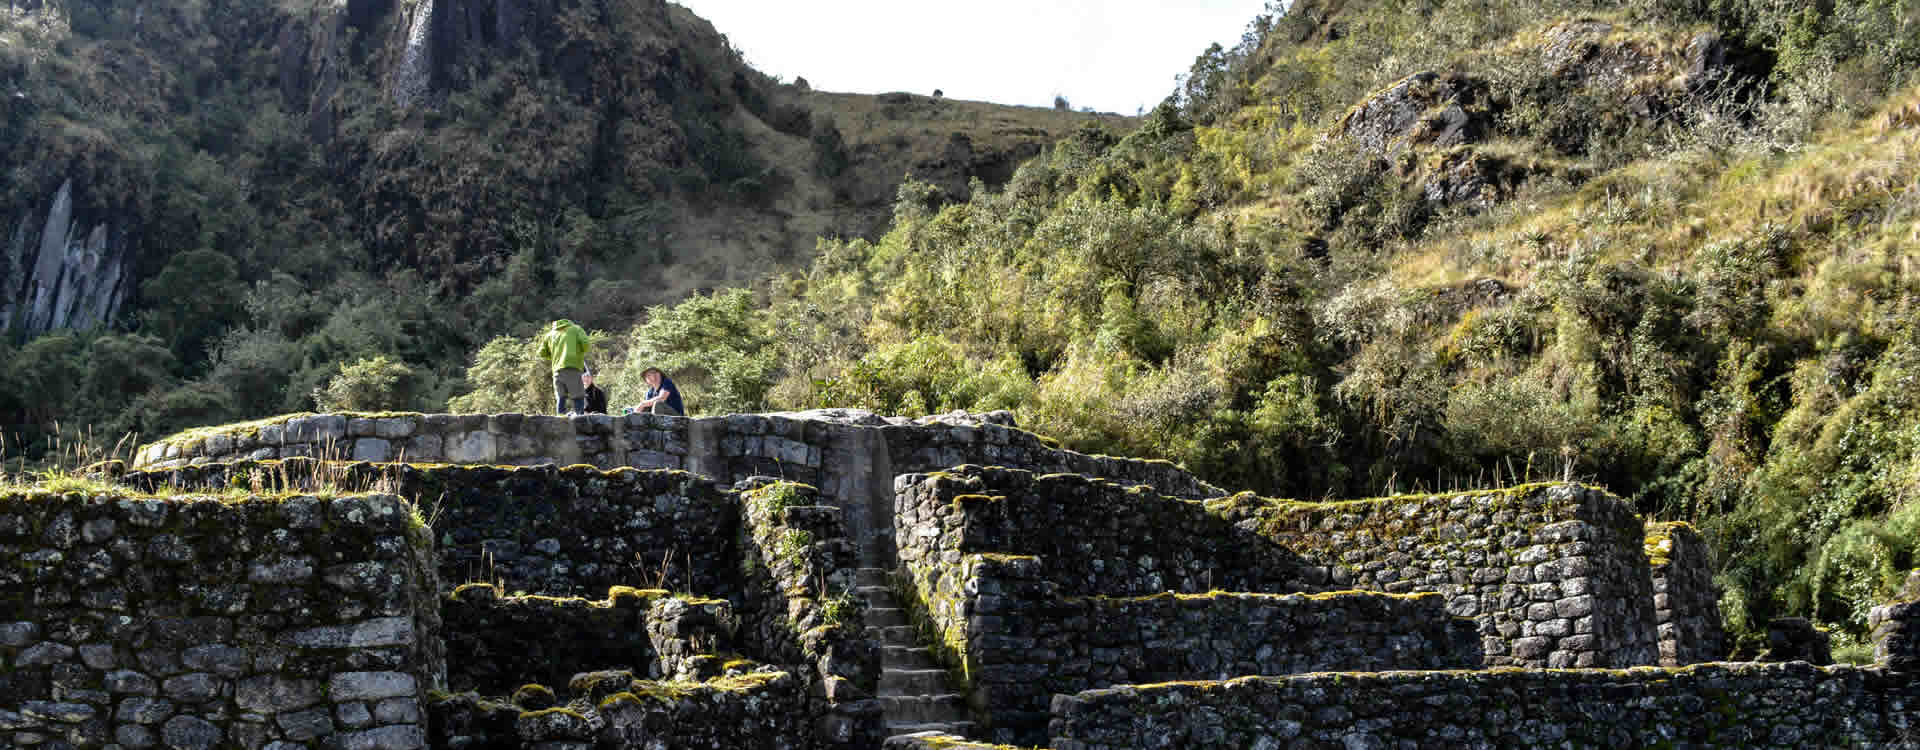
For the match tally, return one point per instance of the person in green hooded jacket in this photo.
(564, 346)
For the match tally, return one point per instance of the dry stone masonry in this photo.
(1686, 606)
(822, 580)
(1730, 706)
(232, 621)
(1556, 575)
(850, 455)
(1035, 583)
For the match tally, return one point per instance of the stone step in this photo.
(907, 657)
(913, 682)
(874, 593)
(920, 709)
(931, 729)
(902, 634)
(882, 617)
(870, 577)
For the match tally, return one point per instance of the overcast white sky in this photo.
(1112, 55)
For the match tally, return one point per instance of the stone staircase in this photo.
(913, 687)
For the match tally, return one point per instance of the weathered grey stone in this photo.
(134, 736)
(372, 449)
(471, 448)
(17, 634)
(43, 654)
(131, 682)
(218, 657)
(426, 448)
(362, 686)
(191, 732)
(12, 720)
(57, 711)
(270, 694)
(318, 429)
(301, 726)
(143, 710)
(353, 715)
(384, 738)
(197, 687)
(144, 513)
(397, 711)
(281, 570)
(97, 530)
(393, 428)
(98, 656)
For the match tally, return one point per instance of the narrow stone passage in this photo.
(914, 689)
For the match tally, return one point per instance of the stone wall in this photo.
(940, 741)
(798, 567)
(214, 621)
(1896, 629)
(1097, 537)
(757, 710)
(1557, 575)
(1020, 627)
(572, 531)
(852, 456)
(1686, 604)
(1024, 643)
(1704, 706)
(497, 643)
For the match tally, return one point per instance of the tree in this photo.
(719, 344)
(377, 384)
(193, 299)
(506, 377)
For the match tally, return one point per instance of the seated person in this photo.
(663, 397)
(596, 396)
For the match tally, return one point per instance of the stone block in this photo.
(272, 694)
(281, 570)
(197, 687)
(127, 681)
(394, 428)
(318, 429)
(301, 726)
(372, 449)
(44, 653)
(191, 732)
(426, 448)
(143, 710)
(221, 659)
(364, 686)
(471, 448)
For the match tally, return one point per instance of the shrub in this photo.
(377, 384)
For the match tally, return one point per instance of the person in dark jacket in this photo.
(596, 396)
(663, 397)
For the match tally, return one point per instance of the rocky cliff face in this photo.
(65, 268)
(443, 137)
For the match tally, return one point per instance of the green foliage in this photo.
(716, 347)
(195, 297)
(506, 376)
(377, 384)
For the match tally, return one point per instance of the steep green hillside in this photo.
(1665, 246)
(213, 205)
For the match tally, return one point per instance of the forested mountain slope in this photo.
(1386, 245)
(212, 205)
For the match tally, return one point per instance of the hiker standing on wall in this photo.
(565, 347)
(663, 397)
